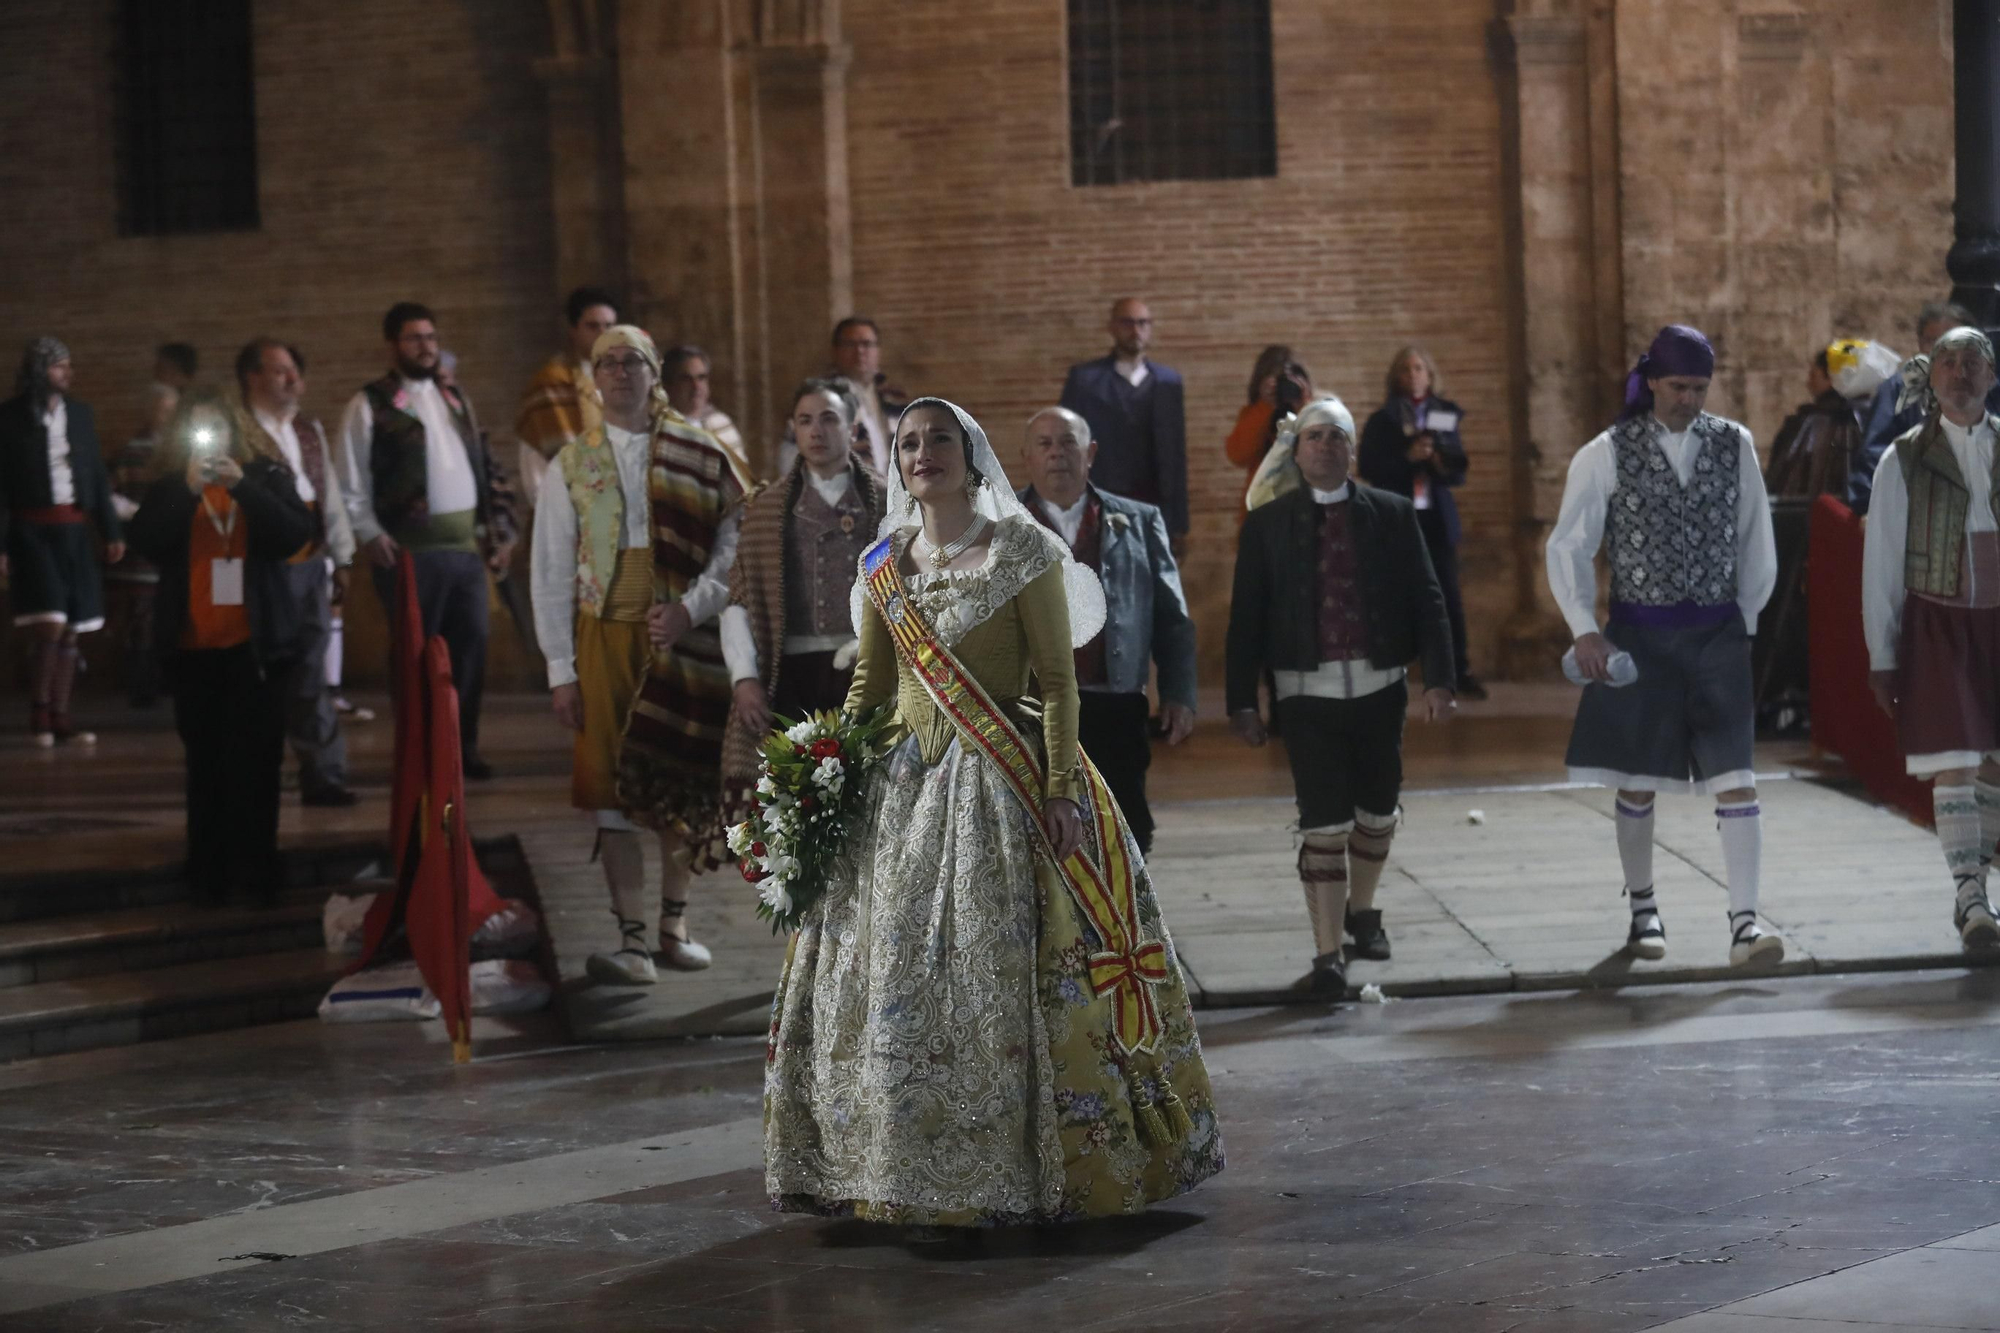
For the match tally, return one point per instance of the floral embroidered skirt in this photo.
(936, 1055)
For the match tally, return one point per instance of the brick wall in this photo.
(1787, 179)
(991, 273)
(397, 158)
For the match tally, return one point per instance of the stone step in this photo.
(131, 939)
(120, 1008)
(39, 897)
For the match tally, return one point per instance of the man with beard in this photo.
(1678, 494)
(417, 476)
(52, 486)
(272, 382)
(561, 403)
(1930, 601)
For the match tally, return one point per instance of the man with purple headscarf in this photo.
(1668, 703)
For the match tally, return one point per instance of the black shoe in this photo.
(330, 796)
(1470, 687)
(1370, 940)
(1329, 977)
(477, 769)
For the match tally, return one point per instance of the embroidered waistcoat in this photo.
(1672, 544)
(590, 474)
(822, 549)
(396, 455)
(1343, 618)
(1934, 545)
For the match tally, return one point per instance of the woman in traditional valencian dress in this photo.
(982, 1022)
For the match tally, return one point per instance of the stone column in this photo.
(1570, 335)
(736, 199)
(587, 167)
(1974, 261)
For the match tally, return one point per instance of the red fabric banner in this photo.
(1846, 720)
(436, 914)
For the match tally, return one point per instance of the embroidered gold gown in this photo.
(937, 1055)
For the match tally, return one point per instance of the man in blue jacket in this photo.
(1138, 417)
(1124, 542)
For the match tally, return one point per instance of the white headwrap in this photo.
(994, 500)
(1916, 372)
(1279, 472)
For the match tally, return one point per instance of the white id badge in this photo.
(225, 582)
(1440, 420)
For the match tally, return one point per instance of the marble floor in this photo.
(1774, 1155)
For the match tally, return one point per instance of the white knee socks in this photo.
(1742, 824)
(1988, 796)
(1323, 876)
(1960, 834)
(1367, 857)
(1635, 852)
(625, 874)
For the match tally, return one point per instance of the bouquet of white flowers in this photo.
(809, 798)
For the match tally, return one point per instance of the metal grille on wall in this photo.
(1170, 90)
(187, 126)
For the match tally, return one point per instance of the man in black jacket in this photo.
(52, 483)
(1334, 595)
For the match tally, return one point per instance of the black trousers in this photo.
(1113, 730)
(1346, 754)
(1444, 559)
(231, 718)
(451, 598)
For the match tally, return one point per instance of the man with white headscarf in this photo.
(625, 617)
(1930, 603)
(1334, 594)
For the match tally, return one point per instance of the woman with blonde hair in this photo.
(1411, 446)
(220, 520)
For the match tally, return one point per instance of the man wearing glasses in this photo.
(417, 476)
(1138, 418)
(857, 362)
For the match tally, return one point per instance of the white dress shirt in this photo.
(552, 561)
(1134, 371)
(281, 430)
(62, 480)
(739, 645)
(1068, 522)
(1882, 589)
(1351, 678)
(1571, 556)
(450, 487)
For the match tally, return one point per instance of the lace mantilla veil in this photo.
(995, 501)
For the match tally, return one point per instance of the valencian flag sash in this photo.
(1125, 966)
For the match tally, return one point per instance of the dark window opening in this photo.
(187, 125)
(1170, 90)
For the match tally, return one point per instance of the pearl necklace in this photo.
(941, 556)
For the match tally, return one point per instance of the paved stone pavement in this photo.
(1526, 898)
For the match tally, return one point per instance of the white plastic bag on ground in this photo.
(513, 930)
(380, 994)
(341, 921)
(508, 986)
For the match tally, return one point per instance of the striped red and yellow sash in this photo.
(1128, 966)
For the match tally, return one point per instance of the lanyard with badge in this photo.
(225, 575)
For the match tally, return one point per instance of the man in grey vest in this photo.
(1930, 606)
(1680, 496)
